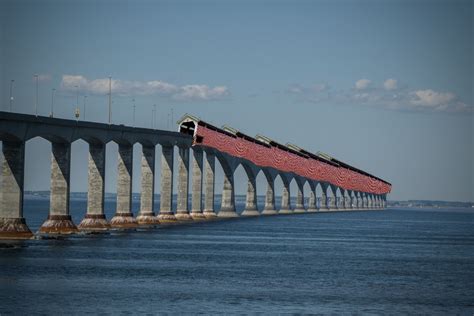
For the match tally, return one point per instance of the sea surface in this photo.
(397, 261)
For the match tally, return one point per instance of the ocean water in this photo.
(396, 261)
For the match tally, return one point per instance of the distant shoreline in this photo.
(390, 203)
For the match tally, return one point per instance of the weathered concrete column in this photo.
(146, 216)
(123, 217)
(196, 202)
(332, 199)
(342, 206)
(365, 201)
(210, 185)
(269, 208)
(300, 197)
(251, 198)
(285, 197)
(228, 194)
(182, 212)
(377, 201)
(94, 219)
(384, 201)
(59, 221)
(324, 197)
(312, 198)
(349, 200)
(166, 195)
(12, 223)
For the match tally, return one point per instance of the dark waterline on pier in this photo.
(393, 261)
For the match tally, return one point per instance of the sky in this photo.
(386, 86)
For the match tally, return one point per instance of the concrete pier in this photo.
(182, 212)
(59, 221)
(332, 199)
(299, 207)
(269, 208)
(166, 196)
(146, 216)
(196, 201)
(210, 185)
(123, 217)
(94, 219)
(312, 207)
(324, 197)
(285, 197)
(228, 195)
(251, 197)
(12, 223)
(342, 205)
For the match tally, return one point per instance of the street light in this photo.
(133, 100)
(52, 102)
(36, 100)
(110, 99)
(11, 94)
(84, 115)
(153, 112)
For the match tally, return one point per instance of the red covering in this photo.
(288, 162)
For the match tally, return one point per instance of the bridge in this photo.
(343, 186)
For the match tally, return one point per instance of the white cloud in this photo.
(390, 84)
(430, 98)
(362, 84)
(124, 88)
(201, 92)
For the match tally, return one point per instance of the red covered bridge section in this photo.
(264, 152)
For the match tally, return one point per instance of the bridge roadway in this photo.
(16, 129)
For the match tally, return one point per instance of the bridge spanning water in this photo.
(343, 187)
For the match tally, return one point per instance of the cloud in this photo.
(71, 83)
(430, 98)
(389, 96)
(390, 84)
(362, 84)
(43, 77)
(201, 92)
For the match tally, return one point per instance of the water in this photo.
(395, 261)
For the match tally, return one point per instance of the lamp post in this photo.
(36, 99)
(11, 94)
(84, 115)
(52, 102)
(153, 112)
(110, 99)
(133, 100)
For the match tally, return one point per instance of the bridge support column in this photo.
(228, 197)
(285, 197)
(332, 199)
(342, 205)
(269, 208)
(94, 219)
(182, 212)
(196, 202)
(123, 217)
(251, 198)
(349, 200)
(300, 197)
(59, 221)
(12, 223)
(324, 197)
(146, 216)
(312, 198)
(210, 186)
(166, 196)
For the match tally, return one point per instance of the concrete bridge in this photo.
(343, 186)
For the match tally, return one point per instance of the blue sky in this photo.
(384, 85)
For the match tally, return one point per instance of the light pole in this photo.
(84, 114)
(153, 116)
(133, 100)
(110, 100)
(11, 94)
(52, 102)
(36, 99)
